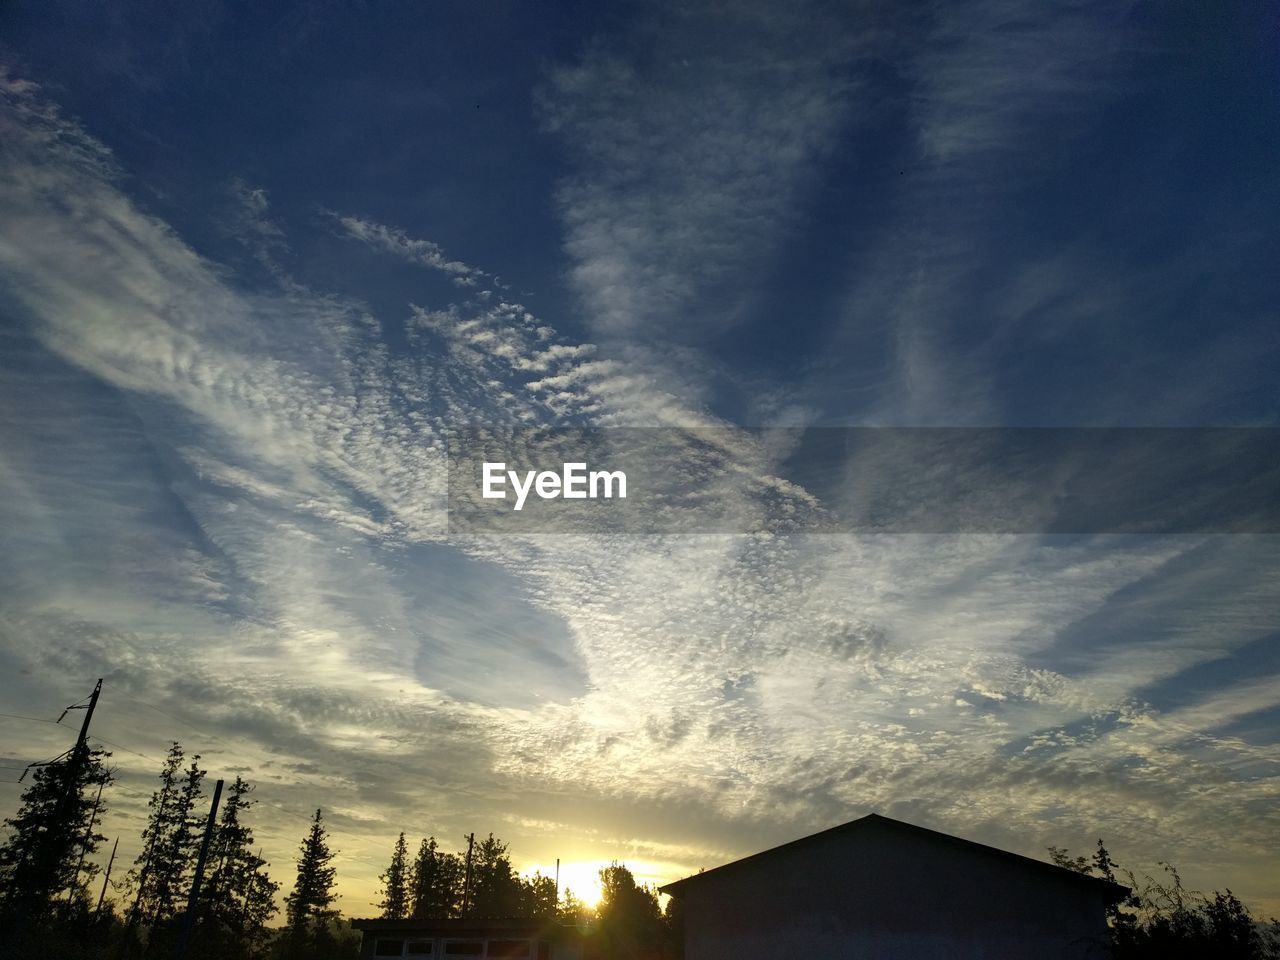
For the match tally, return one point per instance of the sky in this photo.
(258, 261)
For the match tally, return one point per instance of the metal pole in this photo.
(84, 845)
(189, 920)
(79, 753)
(105, 880)
(466, 883)
(51, 848)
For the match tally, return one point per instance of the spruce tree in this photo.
(395, 886)
(309, 907)
(238, 898)
(169, 842)
(52, 836)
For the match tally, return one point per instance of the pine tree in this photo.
(395, 887)
(46, 854)
(238, 898)
(310, 906)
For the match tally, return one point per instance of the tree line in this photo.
(1160, 919)
(53, 905)
(434, 884)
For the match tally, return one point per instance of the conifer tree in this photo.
(435, 883)
(169, 841)
(495, 889)
(395, 884)
(309, 907)
(51, 839)
(238, 898)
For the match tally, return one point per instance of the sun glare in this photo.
(580, 877)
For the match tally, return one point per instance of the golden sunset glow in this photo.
(635, 434)
(579, 877)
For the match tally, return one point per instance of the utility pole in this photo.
(466, 883)
(557, 882)
(79, 754)
(107, 879)
(58, 839)
(81, 750)
(189, 920)
(84, 844)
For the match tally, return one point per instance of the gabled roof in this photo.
(873, 820)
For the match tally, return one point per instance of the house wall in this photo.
(539, 947)
(892, 896)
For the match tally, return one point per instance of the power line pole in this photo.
(189, 920)
(107, 879)
(81, 750)
(84, 844)
(57, 840)
(79, 754)
(466, 883)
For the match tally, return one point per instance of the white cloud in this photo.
(691, 155)
(422, 252)
(794, 679)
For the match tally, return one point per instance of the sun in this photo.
(581, 877)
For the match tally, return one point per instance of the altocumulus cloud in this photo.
(239, 529)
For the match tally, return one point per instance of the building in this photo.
(508, 939)
(877, 887)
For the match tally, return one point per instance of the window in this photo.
(464, 948)
(420, 948)
(510, 949)
(388, 948)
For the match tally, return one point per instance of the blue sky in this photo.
(255, 262)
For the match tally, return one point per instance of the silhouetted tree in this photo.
(160, 875)
(395, 884)
(1120, 916)
(573, 910)
(629, 923)
(310, 906)
(238, 897)
(495, 889)
(44, 867)
(1162, 920)
(538, 897)
(435, 883)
